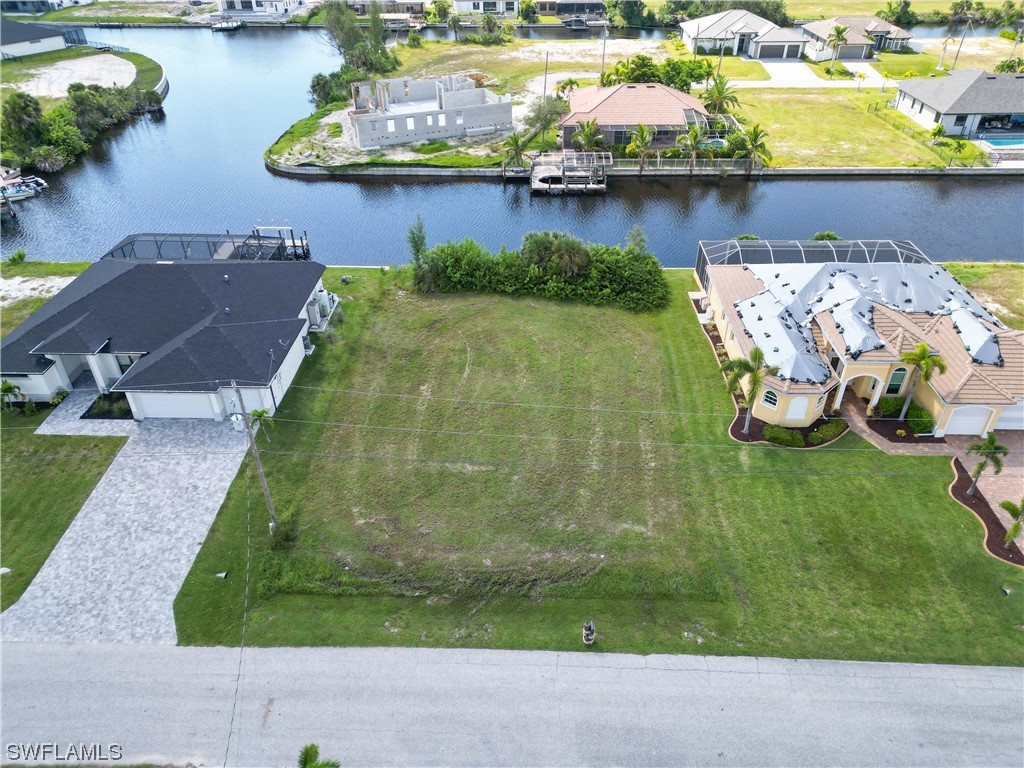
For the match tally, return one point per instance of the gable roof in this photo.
(969, 91)
(860, 29)
(12, 32)
(626, 104)
(719, 25)
(196, 324)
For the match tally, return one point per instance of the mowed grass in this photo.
(46, 480)
(842, 134)
(482, 471)
(826, 9)
(900, 66)
(998, 286)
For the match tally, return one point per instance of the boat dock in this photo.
(570, 173)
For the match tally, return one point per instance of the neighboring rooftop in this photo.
(969, 91)
(860, 29)
(736, 22)
(198, 324)
(630, 104)
(871, 299)
(12, 32)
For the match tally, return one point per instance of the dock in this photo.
(570, 173)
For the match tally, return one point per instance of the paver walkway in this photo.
(114, 574)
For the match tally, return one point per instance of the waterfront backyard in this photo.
(443, 484)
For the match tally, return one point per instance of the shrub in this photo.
(889, 407)
(901, 433)
(827, 432)
(782, 436)
(18, 257)
(415, 39)
(919, 420)
(120, 409)
(1008, 34)
(58, 397)
(30, 408)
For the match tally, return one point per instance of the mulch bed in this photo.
(756, 433)
(978, 504)
(886, 429)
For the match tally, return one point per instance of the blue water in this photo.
(1014, 143)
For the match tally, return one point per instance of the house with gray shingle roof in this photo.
(173, 335)
(741, 33)
(966, 103)
(864, 36)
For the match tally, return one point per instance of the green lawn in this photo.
(514, 488)
(43, 268)
(826, 9)
(819, 67)
(1000, 286)
(897, 65)
(46, 480)
(843, 133)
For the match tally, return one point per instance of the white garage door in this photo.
(968, 420)
(1011, 417)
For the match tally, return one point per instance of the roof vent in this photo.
(225, 278)
(227, 310)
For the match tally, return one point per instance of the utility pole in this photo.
(604, 45)
(256, 458)
(544, 95)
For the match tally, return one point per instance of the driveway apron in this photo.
(114, 574)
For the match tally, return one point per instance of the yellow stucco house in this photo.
(835, 317)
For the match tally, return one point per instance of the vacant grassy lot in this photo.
(45, 482)
(900, 66)
(125, 13)
(999, 286)
(826, 9)
(842, 133)
(977, 52)
(491, 472)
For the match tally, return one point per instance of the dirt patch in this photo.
(52, 81)
(14, 289)
(995, 533)
(616, 49)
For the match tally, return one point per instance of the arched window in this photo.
(770, 399)
(896, 381)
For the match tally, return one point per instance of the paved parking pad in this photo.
(114, 574)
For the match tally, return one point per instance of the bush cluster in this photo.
(335, 87)
(827, 432)
(919, 420)
(889, 407)
(782, 436)
(553, 265)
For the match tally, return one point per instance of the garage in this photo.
(852, 51)
(968, 420)
(1011, 417)
(772, 52)
(792, 51)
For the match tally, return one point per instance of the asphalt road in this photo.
(400, 707)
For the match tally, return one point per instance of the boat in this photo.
(35, 181)
(576, 23)
(227, 24)
(15, 189)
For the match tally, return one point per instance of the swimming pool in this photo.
(1006, 143)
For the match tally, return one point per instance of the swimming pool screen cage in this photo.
(257, 246)
(718, 252)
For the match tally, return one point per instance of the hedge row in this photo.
(828, 431)
(782, 436)
(918, 419)
(552, 265)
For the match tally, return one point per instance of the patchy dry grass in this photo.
(1000, 287)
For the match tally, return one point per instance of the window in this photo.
(510, 7)
(896, 381)
(430, 119)
(960, 121)
(476, 6)
(821, 402)
(732, 335)
(391, 126)
(458, 118)
(124, 362)
(441, 120)
(770, 399)
(410, 123)
(373, 126)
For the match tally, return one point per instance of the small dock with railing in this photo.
(570, 173)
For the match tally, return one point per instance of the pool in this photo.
(717, 143)
(1006, 143)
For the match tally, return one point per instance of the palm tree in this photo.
(753, 369)
(1016, 512)
(309, 757)
(566, 87)
(720, 96)
(891, 10)
(455, 25)
(588, 136)
(755, 147)
(515, 150)
(992, 453)
(261, 418)
(489, 23)
(959, 145)
(8, 393)
(836, 38)
(938, 133)
(924, 363)
(691, 144)
(640, 145)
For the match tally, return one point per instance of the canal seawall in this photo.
(397, 171)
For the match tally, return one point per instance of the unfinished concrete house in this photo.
(403, 110)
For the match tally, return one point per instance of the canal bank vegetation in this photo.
(454, 472)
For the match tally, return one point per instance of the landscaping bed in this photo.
(995, 533)
(757, 430)
(110, 406)
(887, 428)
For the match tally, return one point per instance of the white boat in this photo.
(16, 190)
(227, 24)
(35, 181)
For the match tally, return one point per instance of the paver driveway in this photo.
(114, 574)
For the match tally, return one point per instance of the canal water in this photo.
(198, 168)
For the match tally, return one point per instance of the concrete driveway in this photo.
(793, 73)
(114, 574)
(424, 707)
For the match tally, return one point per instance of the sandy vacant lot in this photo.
(53, 80)
(14, 289)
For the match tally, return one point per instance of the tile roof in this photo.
(195, 323)
(719, 25)
(969, 91)
(631, 104)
